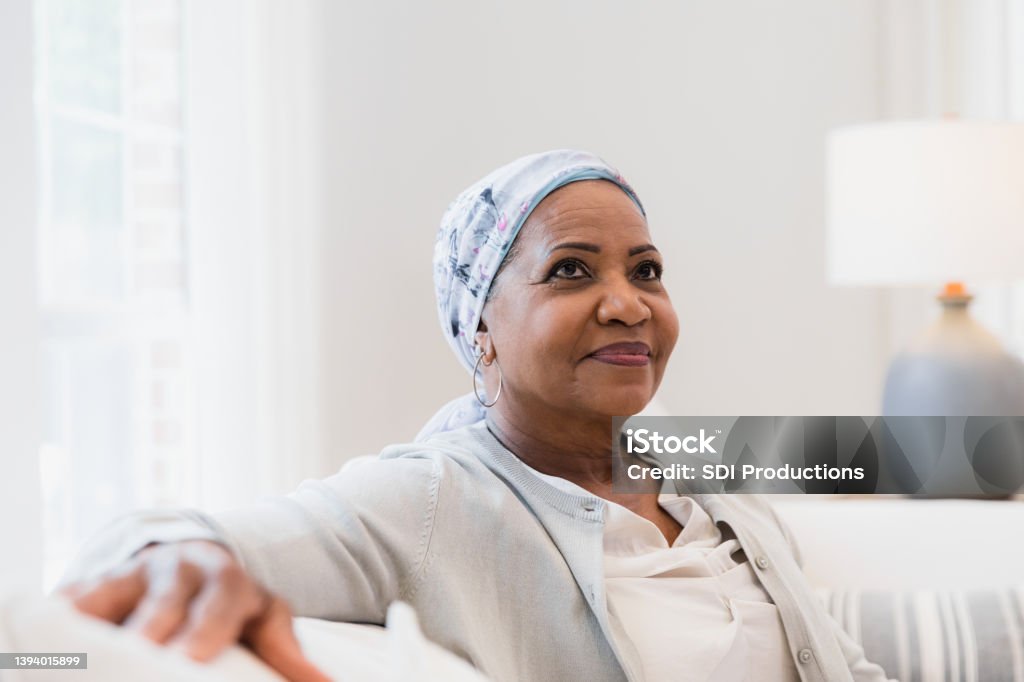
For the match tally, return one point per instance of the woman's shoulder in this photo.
(460, 445)
(402, 484)
(451, 453)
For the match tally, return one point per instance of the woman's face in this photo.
(586, 277)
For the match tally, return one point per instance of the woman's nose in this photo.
(622, 302)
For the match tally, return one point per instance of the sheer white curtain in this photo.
(987, 81)
(255, 222)
(962, 57)
(20, 507)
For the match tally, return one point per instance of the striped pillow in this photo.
(936, 636)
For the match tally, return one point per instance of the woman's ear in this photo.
(481, 337)
(483, 342)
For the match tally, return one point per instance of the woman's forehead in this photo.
(590, 214)
(587, 194)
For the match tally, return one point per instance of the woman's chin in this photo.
(620, 401)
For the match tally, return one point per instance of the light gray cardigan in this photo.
(502, 568)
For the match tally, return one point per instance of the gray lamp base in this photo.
(957, 368)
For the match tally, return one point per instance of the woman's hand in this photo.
(196, 597)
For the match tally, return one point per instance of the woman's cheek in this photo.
(551, 323)
(667, 322)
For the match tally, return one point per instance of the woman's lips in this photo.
(623, 359)
(625, 354)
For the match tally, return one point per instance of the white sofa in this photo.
(930, 587)
(927, 586)
(865, 542)
(343, 651)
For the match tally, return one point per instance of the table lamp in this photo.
(933, 203)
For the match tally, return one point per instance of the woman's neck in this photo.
(581, 455)
(575, 449)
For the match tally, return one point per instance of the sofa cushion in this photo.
(936, 635)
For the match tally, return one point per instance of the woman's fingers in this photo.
(219, 614)
(112, 596)
(196, 595)
(271, 637)
(166, 605)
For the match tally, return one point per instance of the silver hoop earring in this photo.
(500, 381)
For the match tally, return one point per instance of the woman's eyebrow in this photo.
(641, 249)
(594, 248)
(582, 246)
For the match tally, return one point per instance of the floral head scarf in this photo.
(476, 233)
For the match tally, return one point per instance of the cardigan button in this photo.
(589, 506)
(761, 562)
(805, 655)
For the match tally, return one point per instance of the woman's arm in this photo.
(343, 549)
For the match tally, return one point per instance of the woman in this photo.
(500, 525)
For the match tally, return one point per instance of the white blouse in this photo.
(695, 610)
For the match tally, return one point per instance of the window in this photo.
(113, 294)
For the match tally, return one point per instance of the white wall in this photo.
(20, 523)
(716, 112)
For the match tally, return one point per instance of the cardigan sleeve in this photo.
(861, 669)
(341, 548)
(794, 547)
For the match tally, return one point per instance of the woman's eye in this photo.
(649, 270)
(569, 269)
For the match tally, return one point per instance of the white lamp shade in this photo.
(921, 203)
